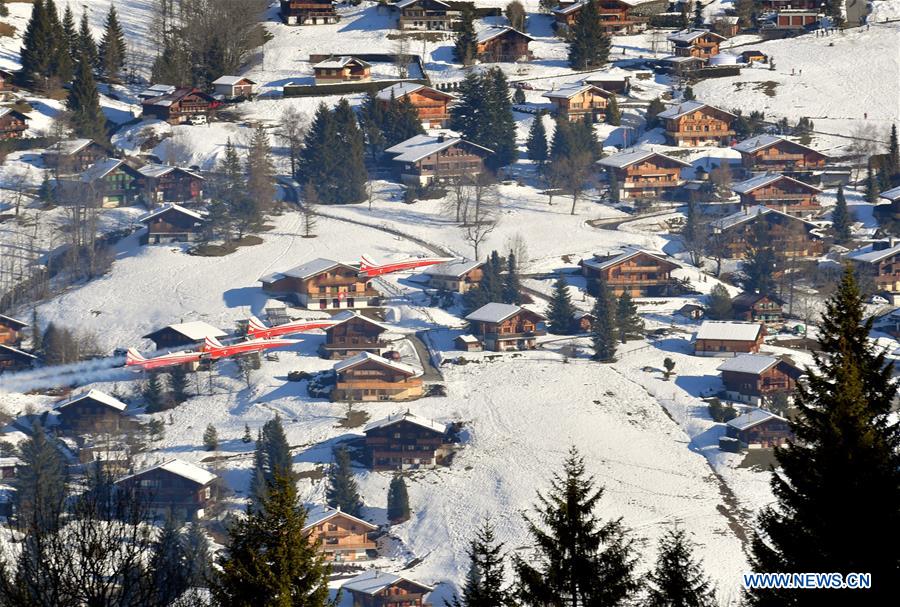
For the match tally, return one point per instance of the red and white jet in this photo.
(257, 329)
(214, 349)
(133, 358)
(370, 269)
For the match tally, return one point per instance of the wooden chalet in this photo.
(424, 159)
(880, 261)
(368, 377)
(184, 334)
(643, 174)
(615, 81)
(342, 69)
(14, 359)
(308, 12)
(457, 276)
(323, 284)
(432, 105)
(776, 5)
(174, 488)
(352, 335)
(639, 272)
(770, 153)
(893, 196)
(11, 330)
(503, 327)
(795, 19)
(728, 338)
(615, 16)
(792, 236)
(759, 429)
(13, 123)
(426, 15)
(754, 56)
(502, 44)
(691, 311)
(156, 90)
(753, 378)
(7, 80)
(584, 321)
(92, 412)
(9, 467)
(779, 192)
(234, 87)
(178, 106)
(404, 442)
(74, 155)
(374, 588)
(756, 307)
(693, 123)
(164, 183)
(171, 223)
(700, 43)
(575, 101)
(111, 183)
(339, 536)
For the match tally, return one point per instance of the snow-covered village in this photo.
(532, 303)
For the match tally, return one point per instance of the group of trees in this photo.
(572, 153)
(332, 160)
(271, 462)
(164, 391)
(386, 125)
(499, 283)
(484, 116)
(613, 320)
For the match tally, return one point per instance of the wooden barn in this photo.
(727, 338)
(404, 442)
(770, 153)
(368, 377)
(164, 183)
(759, 429)
(779, 192)
(426, 15)
(753, 378)
(174, 488)
(178, 106)
(503, 327)
(458, 276)
(756, 307)
(73, 156)
(308, 12)
(13, 123)
(171, 223)
(615, 16)
(342, 69)
(323, 284)
(374, 588)
(11, 330)
(111, 183)
(353, 335)
(92, 412)
(424, 159)
(339, 536)
(14, 359)
(575, 101)
(700, 43)
(184, 334)
(502, 44)
(693, 123)
(643, 174)
(640, 272)
(432, 105)
(792, 236)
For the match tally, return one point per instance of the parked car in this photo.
(198, 119)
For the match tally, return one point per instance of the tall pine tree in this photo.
(589, 45)
(41, 481)
(112, 47)
(465, 46)
(342, 491)
(485, 584)
(537, 140)
(349, 177)
(397, 501)
(603, 326)
(511, 285)
(613, 115)
(840, 218)
(87, 118)
(758, 267)
(893, 154)
(561, 314)
(628, 323)
(86, 43)
(678, 579)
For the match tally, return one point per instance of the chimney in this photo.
(440, 138)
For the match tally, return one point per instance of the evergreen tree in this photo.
(196, 559)
(692, 233)
(840, 218)
(580, 560)
(519, 96)
(372, 124)
(871, 185)
(656, 106)
(87, 118)
(41, 481)
(511, 293)
(349, 177)
(500, 122)
(561, 314)
(537, 140)
(718, 304)
(589, 44)
(112, 47)
(247, 438)
(613, 115)
(397, 501)
(342, 491)
(153, 393)
(685, 19)
(179, 383)
(37, 337)
(167, 565)
(759, 262)
(87, 45)
(210, 438)
(271, 459)
(603, 327)
(843, 464)
(270, 560)
(61, 62)
(468, 114)
(698, 14)
(893, 154)
(72, 43)
(688, 94)
(678, 579)
(318, 156)
(465, 46)
(37, 46)
(628, 322)
(408, 123)
(485, 581)
(260, 182)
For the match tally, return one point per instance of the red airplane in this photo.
(214, 349)
(133, 358)
(256, 329)
(370, 269)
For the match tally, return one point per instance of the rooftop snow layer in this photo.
(169, 207)
(413, 419)
(748, 363)
(493, 312)
(687, 107)
(751, 418)
(626, 159)
(196, 330)
(100, 169)
(420, 146)
(97, 395)
(729, 330)
(454, 268)
(362, 357)
(181, 468)
(374, 581)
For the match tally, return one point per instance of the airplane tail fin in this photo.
(366, 264)
(133, 357)
(254, 326)
(211, 343)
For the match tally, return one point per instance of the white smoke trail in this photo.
(73, 374)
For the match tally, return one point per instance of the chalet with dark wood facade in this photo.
(781, 193)
(792, 236)
(11, 330)
(404, 442)
(759, 428)
(615, 16)
(92, 412)
(184, 334)
(353, 335)
(368, 377)
(457, 276)
(342, 69)
(111, 183)
(727, 338)
(700, 43)
(374, 588)
(880, 261)
(426, 15)
(308, 12)
(615, 81)
(425, 159)
(164, 183)
(639, 272)
(503, 327)
(692, 124)
(770, 153)
(74, 155)
(7, 80)
(12, 123)
(502, 45)
(14, 359)
(756, 307)
(643, 174)
(9, 467)
(171, 223)
(753, 378)
(432, 105)
(323, 284)
(575, 101)
(174, 488)
(340, 537)
(178, 106)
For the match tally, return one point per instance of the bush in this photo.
(298, 375)
(721, 413)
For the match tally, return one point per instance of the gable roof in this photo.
(155, 90)
(181, 468)
(167, 99)
(761, 142)
(759, 181)
(97, 395)
(11, 322)
(195, 330)
(750, 213)
(340, 62)
(682, 109)
(71, 146)
(626, 159)
(4, 111)
(319, 514)
(747, 300)
(892, 194)
(869, 254)
(402, 89)
(102, 168)
(749, 363)
(752, 418)
(421, 146)
(729, 330)
(497, 31)
(404, 3)
(155, 171)
(390, 420)
(455, 268)
(231, 80)
(347, 315)
(689, 35)
(628, 253)
(17, 352)
(570, 90)
(314, 267)
(494, 312)
(373, 581)
(363, 357)
(170, 207)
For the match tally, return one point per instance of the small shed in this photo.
(691, 311)
(184, 334)
(759, 428)
(234, 87)
(468, 343)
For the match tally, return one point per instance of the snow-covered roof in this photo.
(194, 330)
(72, 146)
(100, 169)
(339, 63)
(570, 90)
(626, 159)
(455, 268)
(752, 418)
(390, 420)
(169, 207)
(345, 315)
(869, 254)
(157, 90)
(9, 321)
(404, 3)
(7, 462)
(619, 75)
(494, 312)
(318, 514)
(759, 181)
(729, 330)
(17, 351)
(751, 213)
(420, 146)
(155, 171)
(565, 10)
(373, 581)
(749, 363)
(363, 357)
(689, 35)
(97, 395)
(493, 32)
(468, 338)
(231, 80)
(676, 111)
(892, 194)
(179, 467)
(628, 253)
(308, 269)
(761, 142)
(402, 89)
(8, 110)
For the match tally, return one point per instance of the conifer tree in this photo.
(112, 47)
(465, 46)
(511, 293)
(372, 124)
(692, 233)
(41, 481)
(348, 178)
(408, 123)
(537, 140)
(468, 116)
(153, 393)
(579, 560)
(397, 501)
(210, 438)
(271, 458)
(318, 156)
(519, 96)
(678, 579)
(260, 182)
(842, 465)
(685, 19)
(62, 62)
(167, 565)
(270, 560)
(87, 45)
(561, 313)
(893, 154)
(698, 14)
(247, 438)
(36, 53)
(871, 185)
(70, 33)
(37, 338)
(688, 94)
(840, 218)
(342, 491)
(589, 45)
(603, 327)
(628, 322)
(485, 584)
(759, 262)
(653, 109)
(613, 115)
(718, 304)
(87, 118)
(178, 382)
(499, 120)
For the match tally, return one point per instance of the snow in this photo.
(184, 469)
(751, 418)
(493, 312)
(721, 329)
(748, 363)
(355, 361)
(97, 395)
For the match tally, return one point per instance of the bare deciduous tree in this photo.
(575, 171)
(291, 130)
(482, 218)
